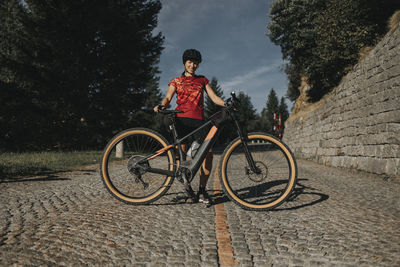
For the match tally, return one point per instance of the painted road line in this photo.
(225, 249)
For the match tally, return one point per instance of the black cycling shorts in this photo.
(184, 126)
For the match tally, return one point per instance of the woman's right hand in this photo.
(158, 107)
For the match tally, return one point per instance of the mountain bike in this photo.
(257, 171)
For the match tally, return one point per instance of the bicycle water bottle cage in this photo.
(193, 149)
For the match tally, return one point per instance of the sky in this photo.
(231, 36)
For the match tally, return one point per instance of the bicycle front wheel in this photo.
(123, 169)
(264, 190)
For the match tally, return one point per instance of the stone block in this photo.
(353, 150)
(393, 127)
(393, 167)
(373, 165)
(389, 151)
(388, 116)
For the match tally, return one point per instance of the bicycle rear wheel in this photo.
(122, 166)
(263, 191)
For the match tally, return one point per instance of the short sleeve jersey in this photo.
(190, 95)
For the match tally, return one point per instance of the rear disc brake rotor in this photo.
(137, 168)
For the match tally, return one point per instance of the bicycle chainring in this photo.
(184, 174)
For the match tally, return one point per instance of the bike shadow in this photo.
(175, 198)
(294, 199)
(294, 202)
(46, 178)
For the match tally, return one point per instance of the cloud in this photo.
(240, 80)
(257, 83)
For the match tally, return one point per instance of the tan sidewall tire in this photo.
(292, 178)
(106, 178)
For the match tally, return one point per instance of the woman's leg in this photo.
(205, 170)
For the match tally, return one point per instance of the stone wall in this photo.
(358, 124)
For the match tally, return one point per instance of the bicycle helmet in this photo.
(191, 54)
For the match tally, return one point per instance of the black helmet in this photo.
(191, 54)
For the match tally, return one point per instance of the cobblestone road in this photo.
(337, 218)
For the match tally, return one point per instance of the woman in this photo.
(190, 88)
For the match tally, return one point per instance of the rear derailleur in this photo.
(137, 169)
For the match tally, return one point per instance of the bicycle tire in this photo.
(267, 190)
(121, 178)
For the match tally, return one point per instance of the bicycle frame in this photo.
(209, 141)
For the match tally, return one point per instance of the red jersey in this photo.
(190, 95)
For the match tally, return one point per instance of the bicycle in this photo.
(257, 171)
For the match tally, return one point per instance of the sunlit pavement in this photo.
(335, 217)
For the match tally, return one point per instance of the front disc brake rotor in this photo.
(260, 176)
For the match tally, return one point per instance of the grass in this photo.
(14, 165)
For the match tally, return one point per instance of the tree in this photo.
(246, 116)
(21, 108)
(210, 108)
(146, 117)
(293, 74)
(283, 110)
(246, 111)
(78, 70)
(267, 114)
(321, 39)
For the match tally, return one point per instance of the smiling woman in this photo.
(189, 89)
(233, 41)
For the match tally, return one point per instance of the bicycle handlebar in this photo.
(232, 102)
(169, 111)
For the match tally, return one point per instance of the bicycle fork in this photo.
(249, 157)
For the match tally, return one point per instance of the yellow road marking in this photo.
(225, 249)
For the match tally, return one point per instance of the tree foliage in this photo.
(267, 114)
(273, 106)
(321, 39)
(283, 110)
(74, 72)
(246, 116)
(210, 108)
(246, 113)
